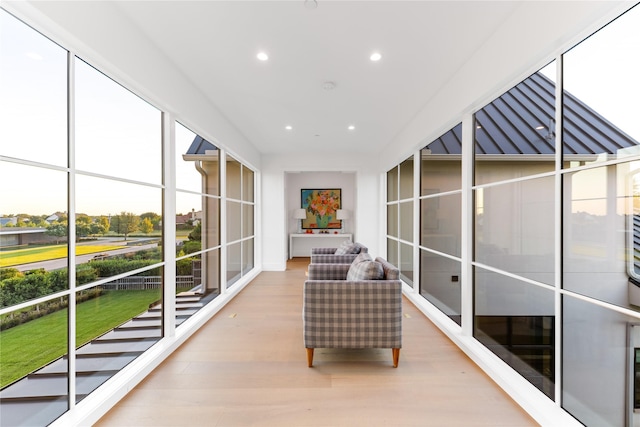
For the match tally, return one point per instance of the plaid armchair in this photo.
(340, 313)
(329, 256)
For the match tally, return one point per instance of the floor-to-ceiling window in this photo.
(84, 258)
(240, 219)
(197, 222)
(514, 244)
(556, 226)
(400, 202)
(440, 222)
(33, 198)
(600, 169)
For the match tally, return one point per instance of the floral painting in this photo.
(321, 207)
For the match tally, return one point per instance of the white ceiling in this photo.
(425, 47)
(215, 45)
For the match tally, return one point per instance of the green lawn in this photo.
(32, 345)
(44, 253)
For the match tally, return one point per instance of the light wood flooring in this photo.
(247, 367)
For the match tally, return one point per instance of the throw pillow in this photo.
(365, 270)
(361, 258)
(353, 249)
(344, 248)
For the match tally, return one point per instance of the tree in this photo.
(153, 217)
(97, 227)
(58, 230)
(125, 223)
(196, 233)
(83, 225)
(146, 226)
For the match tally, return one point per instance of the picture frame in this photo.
(321, 206)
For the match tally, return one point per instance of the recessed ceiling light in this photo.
(375, 56)
(539, 127)
(288, 127)
(262, 56)
(351, 127)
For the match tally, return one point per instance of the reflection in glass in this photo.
(406, 178)
(514, 230)
(115, 323)
(210, 272)
(129, 238)
(406, 221)
(247, 220)
(234, 176)
(515, 134)
(441, 223)
(594, 363)
(392, 184)
(392, 252)
(516, 321)
(392, 220)
(596, 214)
(406, 263)
(601, 88)
(441, 163)
(117, 133)
(247, 256)
(234, 263)
(440, 283)
(33, 95)
(234, 221)
(34, 340)
(247, 184)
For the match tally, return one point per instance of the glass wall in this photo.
(197, 222)
(240, 219)
(600, 148)
(514, 198)
(440, 222)
(555, 227)
(105, 185)
(400, 218)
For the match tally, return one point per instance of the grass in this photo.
(45, 253)
(29, 346)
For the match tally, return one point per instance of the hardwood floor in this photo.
(248, 367)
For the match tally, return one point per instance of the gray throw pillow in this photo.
(365, 270)
(364, 256)
(345, 248)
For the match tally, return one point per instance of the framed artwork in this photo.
(321, 207)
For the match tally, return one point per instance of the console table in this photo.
(300, 244)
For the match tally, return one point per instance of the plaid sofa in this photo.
(328, 255)
(338, 313)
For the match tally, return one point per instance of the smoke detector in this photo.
(328, 86)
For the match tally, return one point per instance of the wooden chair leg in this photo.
(310, 357)
(396, 356)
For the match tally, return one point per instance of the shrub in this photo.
(8, 273)
(112, 267)
(184, 267)
(191, 246)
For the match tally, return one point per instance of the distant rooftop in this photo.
(522, 121)
(200, 146)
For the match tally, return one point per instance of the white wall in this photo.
(283, 176)
(296, 181)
